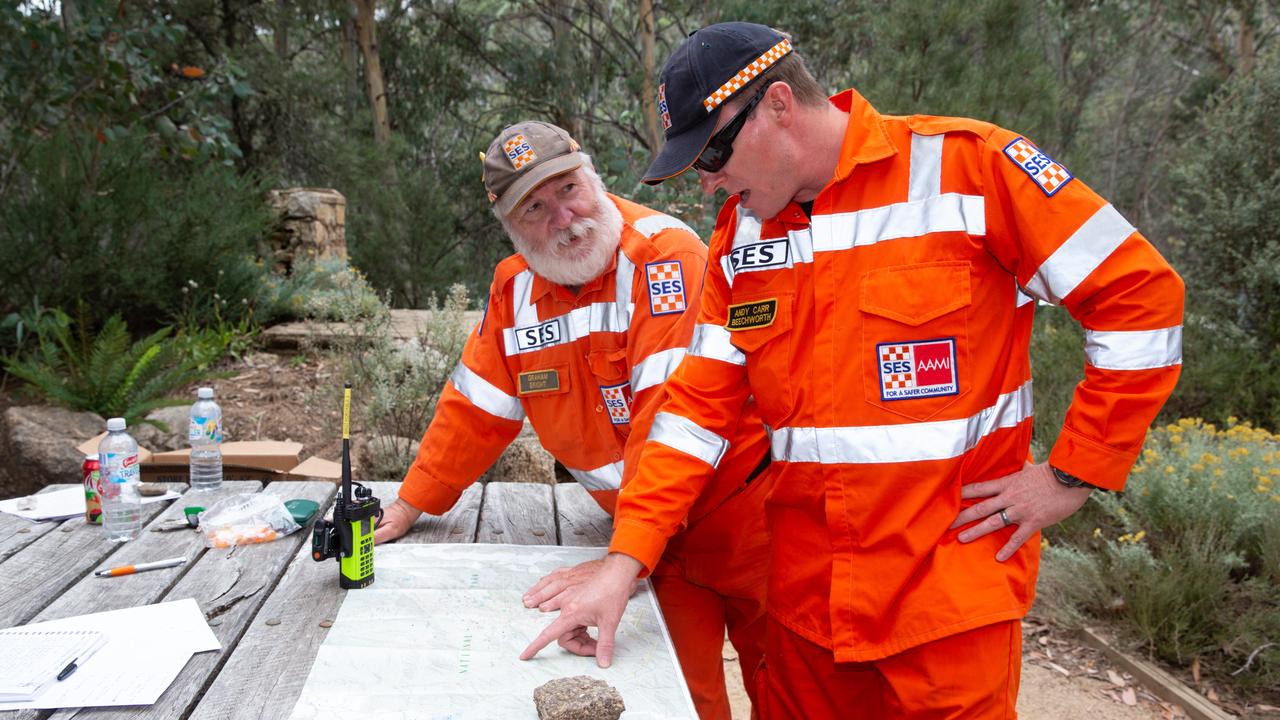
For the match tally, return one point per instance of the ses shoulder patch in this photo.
(1046, 173)
(665, 279)
(617, 399)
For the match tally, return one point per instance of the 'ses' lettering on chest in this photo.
(759, 256)
(535, 336)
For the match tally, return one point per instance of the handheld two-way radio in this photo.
(349, 536)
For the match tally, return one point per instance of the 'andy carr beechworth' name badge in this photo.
(748, 316)
(925, 368)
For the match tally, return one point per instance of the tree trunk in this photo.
(282, 30)
(350, 48)
(70, 16)
(648, 32)
(366, 33)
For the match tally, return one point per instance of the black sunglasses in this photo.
(720, 147)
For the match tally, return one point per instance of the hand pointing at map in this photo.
(597, 602)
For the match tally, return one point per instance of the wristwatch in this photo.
(1071, 481)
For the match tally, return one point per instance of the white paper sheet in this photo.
(146, 649)
(439, 633)
(62, 504)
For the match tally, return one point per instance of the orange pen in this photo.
(140, 567)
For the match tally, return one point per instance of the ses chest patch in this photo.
(919, 369)
(617, 400)
(1049, 175)
(665, 279)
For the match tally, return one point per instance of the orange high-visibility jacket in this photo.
(886, 343)
(587, 370)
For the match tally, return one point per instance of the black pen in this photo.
(66, 671)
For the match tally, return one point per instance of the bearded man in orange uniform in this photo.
(872, 286)
(582, 328)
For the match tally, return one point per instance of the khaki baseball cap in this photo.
(522, 157)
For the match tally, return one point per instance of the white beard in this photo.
(579, 254)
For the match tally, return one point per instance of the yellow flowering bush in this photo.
(1188, 556)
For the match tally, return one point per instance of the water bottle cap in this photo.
(90, 457)
(115, 424)
(204, 393)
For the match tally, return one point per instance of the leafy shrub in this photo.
(107, 374)
(397, 381)
(1188, 557)
(323, 289)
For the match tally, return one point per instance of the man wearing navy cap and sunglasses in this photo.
(871, 284)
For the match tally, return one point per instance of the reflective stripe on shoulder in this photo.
(1133, 349)
(653, 224)
(688, 437)
(607, 477)
(484, 395)
(1081, 254)
(909, 442)
(926, 167)
(712, 341)
(655, 369)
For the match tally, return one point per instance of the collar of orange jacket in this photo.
(865, 139)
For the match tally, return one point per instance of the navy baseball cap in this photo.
(702, 74)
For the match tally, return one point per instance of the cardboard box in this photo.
(263, 460)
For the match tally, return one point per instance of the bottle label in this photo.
(121, 468)
(202, 428)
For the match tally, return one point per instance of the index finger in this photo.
(552, 631)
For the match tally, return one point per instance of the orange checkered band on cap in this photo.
(746, 75)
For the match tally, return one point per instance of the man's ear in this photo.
(779, 103)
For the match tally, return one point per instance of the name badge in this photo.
(748, 316)
(538, 381)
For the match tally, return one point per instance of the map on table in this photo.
(439, 634)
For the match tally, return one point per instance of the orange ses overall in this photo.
(587, 370)
(885, 340)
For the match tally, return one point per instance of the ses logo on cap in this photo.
(663, 112)
(666, 287)
(1049, 175)
(925, 368)
(617, 398)
(518, 151)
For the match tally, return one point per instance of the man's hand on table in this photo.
(396, 520)
(596, 601)
(1031, 498)
(546, 594)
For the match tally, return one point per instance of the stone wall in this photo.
(312, 225)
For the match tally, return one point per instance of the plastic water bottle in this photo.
(205, 435)
(121, 502)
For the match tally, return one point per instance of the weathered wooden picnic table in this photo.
(268, 604)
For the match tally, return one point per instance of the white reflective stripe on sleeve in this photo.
(951, 212)
(1022, 298)
(909, 442)
(624, 276)
(484, 395)
(1077, 257)
(655, 369)
(522, 308)
(926, 167)
(712, 341)
(608, 477)
(651, 225)
(688, 437)
(1133, 349)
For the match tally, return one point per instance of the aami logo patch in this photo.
(541, 335)
(1049, 175)
(926, 368)
(759, 255)
(617, 400)
(666, 287)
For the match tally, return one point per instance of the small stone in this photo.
(273, 621)
(215, 623)
(68, 527)
(539, 533)
(151, 489)
(24, 531)
(579, 532)
(497, 531)
(326, 623)
(578, 698)
(455, 531)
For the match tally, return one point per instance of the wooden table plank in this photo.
(517, 514)
(264, 676)
(231, 585)
(93, 594)
(581, 520)
(17, 533)
(37, 575)
(457, 525)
